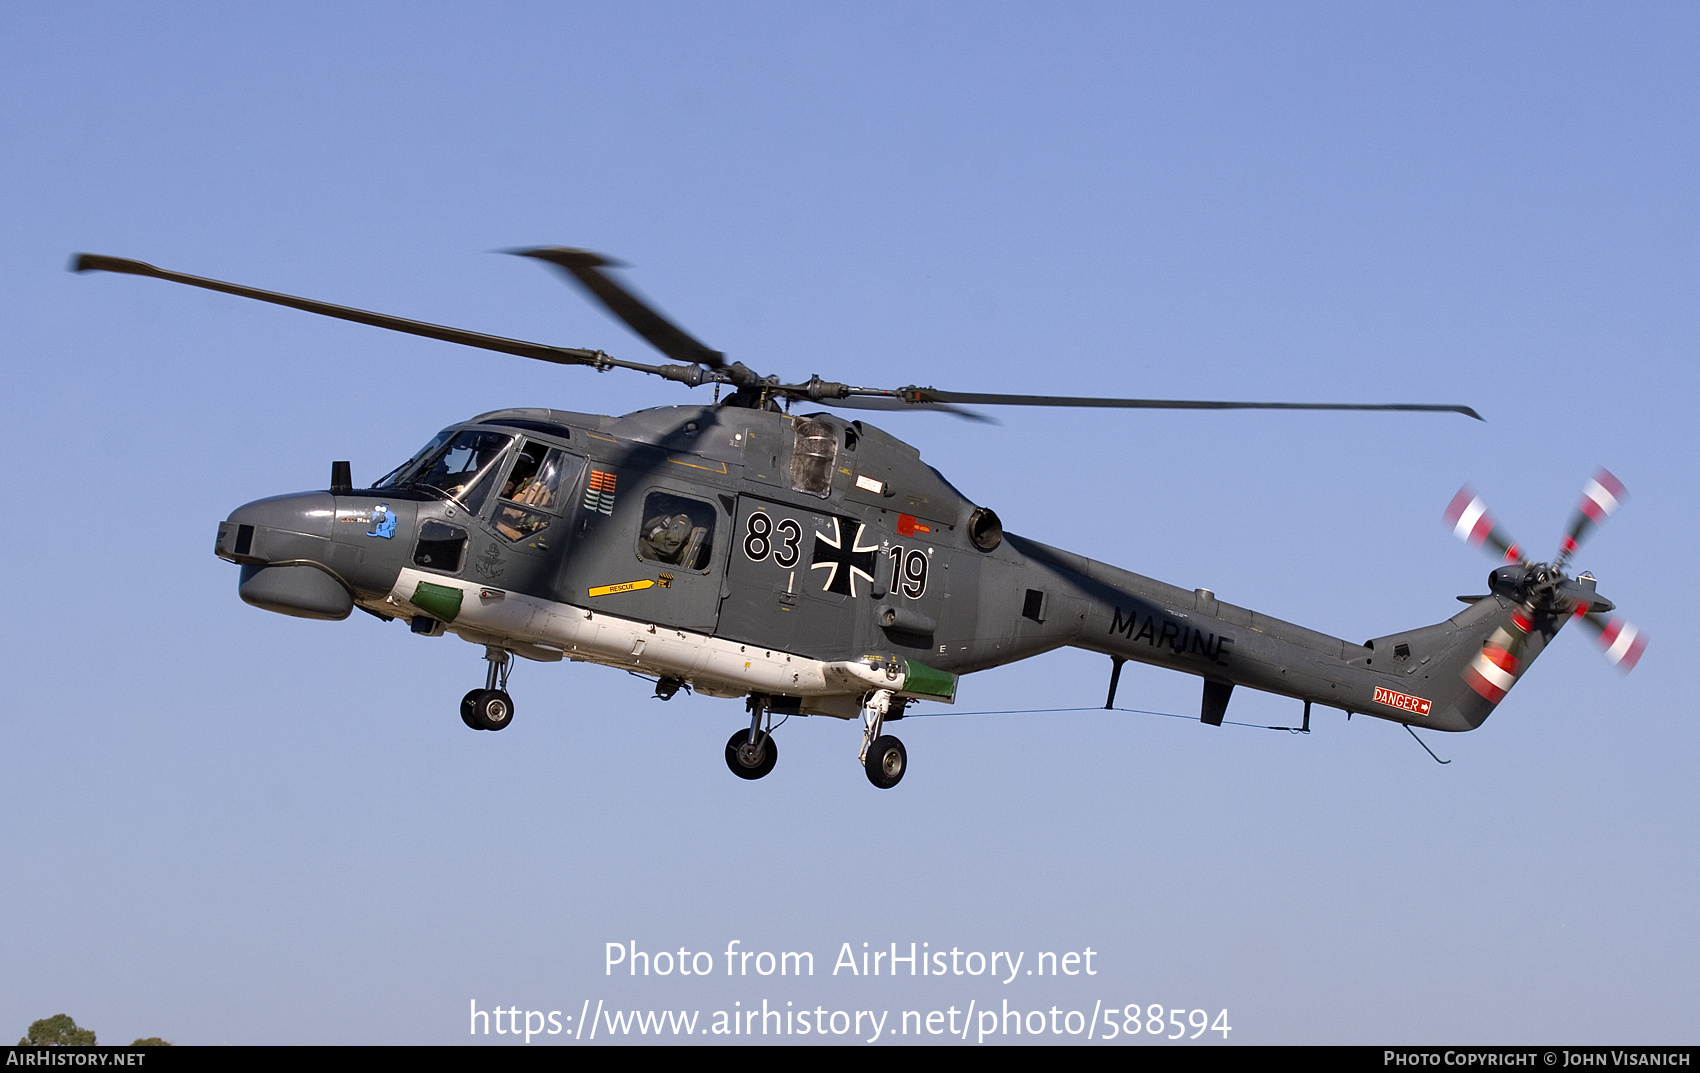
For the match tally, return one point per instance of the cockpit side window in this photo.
(676, 531)
(535, 489)
(536, 479)
(813, 457)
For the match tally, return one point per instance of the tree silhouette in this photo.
(57, 1031)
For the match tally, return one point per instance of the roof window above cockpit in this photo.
(813, 457)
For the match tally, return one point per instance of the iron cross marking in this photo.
(844, 565)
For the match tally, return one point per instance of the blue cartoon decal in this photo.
(383, 522)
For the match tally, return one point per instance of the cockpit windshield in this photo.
(456, 465)
(399, 476)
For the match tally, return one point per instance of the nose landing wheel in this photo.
(490, 708)
(752, 753)
(487, 709)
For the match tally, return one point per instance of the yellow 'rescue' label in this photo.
(624, 586)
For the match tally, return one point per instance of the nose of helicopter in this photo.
(311, 515)
(291, 559)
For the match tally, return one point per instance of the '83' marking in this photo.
(759, 533)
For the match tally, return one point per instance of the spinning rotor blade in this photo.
(703, 364)
(1600, 500)
(1469, 519)
(1621, 642)
(921, 395)
(93, 262)
(888, 405)
(1495, 669)
(585, 268)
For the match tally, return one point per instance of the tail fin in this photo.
(1467, 664)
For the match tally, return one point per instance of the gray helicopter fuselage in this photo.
(731, 532)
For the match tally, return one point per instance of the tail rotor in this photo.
(1542, 589)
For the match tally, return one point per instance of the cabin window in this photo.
(676, 531)
(813, 457)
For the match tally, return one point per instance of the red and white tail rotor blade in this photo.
(1622, 643)
(1495, 669)
(1600, 500)
(1468, 516)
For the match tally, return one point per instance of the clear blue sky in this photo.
(224, 825)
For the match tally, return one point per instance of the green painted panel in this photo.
(922, 679)
(442, 601)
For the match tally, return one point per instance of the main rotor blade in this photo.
(1600, 500)
(927, 394)
(92, 262)
(586, 267)
(890, 405)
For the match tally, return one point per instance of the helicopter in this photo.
(815, 565)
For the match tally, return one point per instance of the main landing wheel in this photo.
(886, 762)
(490, 709)
(751, 761)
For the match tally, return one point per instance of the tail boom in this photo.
(1447, 676)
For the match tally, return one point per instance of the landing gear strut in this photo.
(490, 708)
(883, 756)
(752, 753)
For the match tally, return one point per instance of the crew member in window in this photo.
(664, 538)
